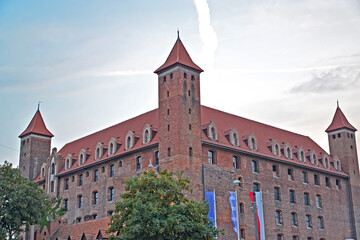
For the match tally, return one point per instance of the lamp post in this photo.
(254, 210)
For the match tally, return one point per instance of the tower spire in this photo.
(178, 34)
(337, 103)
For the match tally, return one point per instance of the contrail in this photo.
(207, 34)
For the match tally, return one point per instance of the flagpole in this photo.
(237, 215)
(215, 209)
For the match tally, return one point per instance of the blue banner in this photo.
(234, 212)
(210, 197)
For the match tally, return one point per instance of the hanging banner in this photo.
(234, 212)
(259, 213)
(210, 197)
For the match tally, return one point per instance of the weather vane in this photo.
(39, 105)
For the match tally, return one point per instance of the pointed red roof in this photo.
(179, 55)
(339, 121)
(37, 126)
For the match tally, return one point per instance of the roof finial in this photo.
(178, 34)
(337, 103)
(39, 105)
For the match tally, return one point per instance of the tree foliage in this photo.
(155, 206)
(22, 203)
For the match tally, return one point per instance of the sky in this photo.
(91, 62)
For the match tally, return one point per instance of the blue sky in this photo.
(284, 63)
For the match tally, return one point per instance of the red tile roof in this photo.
(263, 133)
(91, 227)
(223, 121)
(37, 126)
(339, 121)
(179, 55)
(120, 131)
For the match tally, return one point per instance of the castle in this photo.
(307, 193)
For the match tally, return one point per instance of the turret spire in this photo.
(339, 121)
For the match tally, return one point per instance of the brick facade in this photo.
(213, 149)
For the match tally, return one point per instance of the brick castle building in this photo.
(307, 192)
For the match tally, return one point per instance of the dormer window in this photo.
(325, 161)
(337, 164)
(147, 133)
(82, 157)
(99, 149)
(212, 131)
(130, 140)
(275, 147)
(233, 136)
(112, 146)
(287, 150)
(251, 141)
(313, 157)
(68, 161)
(300, 154)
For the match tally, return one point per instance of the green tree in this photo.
(155, 206)
(22, 203)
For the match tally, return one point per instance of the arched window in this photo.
(212, 133)
(67, 163)
(302, 157)
(253, 144)
(288, 152)
(277, 150)
(53, 168)
(128, 142)
(235, 139)
(111, 149)
(81, 158)
(146, 136)
(97, 153)
(42, 172)
(314, 159)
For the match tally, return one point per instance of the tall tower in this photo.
(35, 143)
(179, 110)
(342, 143)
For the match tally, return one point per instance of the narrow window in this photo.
(189, 110)
(138, 162)
(169, 152)
(157, 158)
(66, 204)
(327, 182)
(308, 221)
(241, 208)
(290, 174)
(111, 148)
(52, 168)
(147, 136)
(128, 141)
(164, 79)
(277, 152)
(275, 170)
(277, 194)
(171, 76)
(66, 184)
(185, 75)
(168, 94)
(240, 182)
(120, 163)
(168, 112)
(278, 217)
(96, 175)
(292, 196)
(80, 201)
(81, 159)
(189, 126)
(111, 193)
(52, 186)
(189, 93)
(242, 234)
(211, 157)
(95, 197)
(318, 201)
(80, 180)
(294, 221)
(256, 187)
(190, 151)
(316, 180)
(97, 153)
(288, 152)
(192, 78)
(168, 128)
(236, 163)
(213, 134)
(339, 135)
(306, 199)
(253, 144)
(338, 184)
(112, 171)
(255, 168)
(302, 157)
(280, 237)
(304, 177)
(321, 222)
(334, 136)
